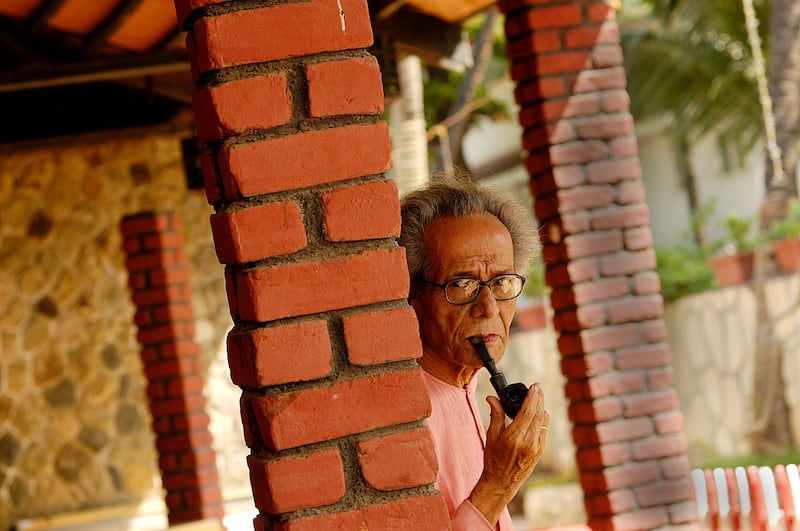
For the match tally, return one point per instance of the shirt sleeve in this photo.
(468, 518)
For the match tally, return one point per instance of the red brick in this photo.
(675, 467)
(667, 445)
(280, 31)
(146, 223)
(650, 403)
(582, 318)
(618, 430)
(279, 354)
(669, 422)
(573, 272)
(166, 332)
(148, 261)
(199, 458)
(661, 378)
(572, 107)
(610, 337)
(280, 164)
(162, 240)
(612, 383)
(398, 461)
(604, 456)
(420, 512)
(304, 417)
(593, 243)
(184, 441)
(618, 101)
(630, 191)
(601, 290)
(613, 171)
(635, 308)
(173, 312)
(132, 245)
(575, 222)
(362, 212)
(350, 86)
(632, 474)
(172, 368)
(211, 181)
(592, 81)
(623, 147)
(590, 36)
(588, 365)
(258, 232)
(663, 492)
(161, 408)
(533, 43)
(614, 502)
(143, 317)
(203, 496)
(640, 519)
(379, 337)
(599, 410)
(644, 356)
(619, 217)
(638, 238)
(647, 282)
(197, 420)
(545, 17)
(293, 483)
(683, 513)
(628, 262)
(654, 331)
(310, 287)
(189, 384)
(600, 12)
(584, 198)
(536, 89)
(548, 64)
(607, 55)
(605, 126)
(178, 274)
(242, 105)
(185, 7)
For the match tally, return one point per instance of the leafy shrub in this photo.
(787, 228)
(683, 271)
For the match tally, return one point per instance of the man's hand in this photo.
(511, 453)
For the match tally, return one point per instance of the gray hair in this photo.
(458, 196)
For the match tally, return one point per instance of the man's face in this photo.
(476, 246)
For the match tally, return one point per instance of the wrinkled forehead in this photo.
(469, 244)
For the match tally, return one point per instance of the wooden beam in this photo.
(91, 70)
(40, 18)
(111, 23)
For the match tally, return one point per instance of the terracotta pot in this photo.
(732, 270)
(531, 317)
(787, 254)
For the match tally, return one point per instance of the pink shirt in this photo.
(459, 438)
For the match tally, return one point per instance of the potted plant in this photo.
(532, 306)
(734, 259)
(785, 237)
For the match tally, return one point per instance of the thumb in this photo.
(497, 419)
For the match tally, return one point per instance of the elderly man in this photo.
(460, 239)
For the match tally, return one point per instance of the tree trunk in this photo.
(771, 430)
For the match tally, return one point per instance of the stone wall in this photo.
(74, 422)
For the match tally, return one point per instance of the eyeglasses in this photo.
(466, 290)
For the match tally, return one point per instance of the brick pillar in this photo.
(586, 180)
(159, 282)
(324, 344)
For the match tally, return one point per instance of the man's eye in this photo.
(462, 283)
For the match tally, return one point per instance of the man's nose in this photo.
(485, 304)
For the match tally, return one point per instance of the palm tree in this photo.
(690, 62)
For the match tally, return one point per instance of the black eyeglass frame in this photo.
(481, 284)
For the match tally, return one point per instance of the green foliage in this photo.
(790, 455)
(535, 284)
(683, 270)
(738, 237)
(787, 228)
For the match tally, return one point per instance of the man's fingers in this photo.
(497, 420)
